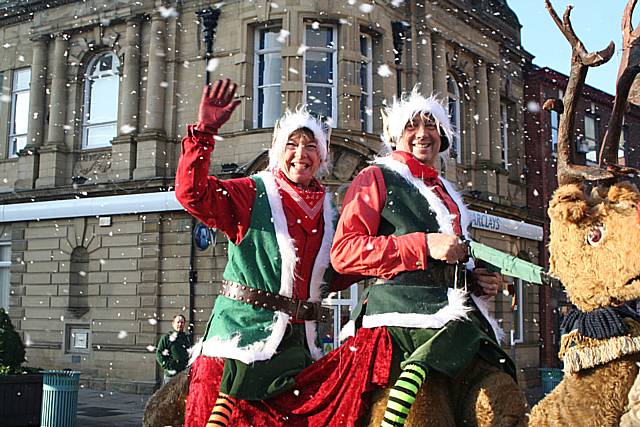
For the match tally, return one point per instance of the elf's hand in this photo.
(216, 106)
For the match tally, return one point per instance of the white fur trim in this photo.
(323, 259)
(255, 352)
(196, 351)
(285, 242)
(443, 217)
(465, 217)
(404, 109)
(291, 121)
(456, 309)
(348, 330)
(483, 306)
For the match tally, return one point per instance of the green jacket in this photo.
(172, 352)
(264, 259)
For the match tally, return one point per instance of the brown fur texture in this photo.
(166, 406)
(598, 386)
(596, 396)
(482, 396)
(598, 274)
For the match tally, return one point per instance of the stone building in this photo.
(97, 256)
(541, 137)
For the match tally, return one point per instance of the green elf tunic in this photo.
(263, 349)
(432, 319)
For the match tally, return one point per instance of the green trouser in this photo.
(262, 380)
(450, 349)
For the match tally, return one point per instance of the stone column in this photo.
(494, 114)
(439, 65)
(53, 154)
(154, 108)
(28, 162)
(425, 60)
(123, 147)
(152, 141)
(58, 100)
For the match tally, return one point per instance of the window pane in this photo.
(21, 113)
(319, 100)
(322, 37)
(4, 287)
(18, 143)
(21, 79)
(364, 46)
(100, 136)
(589, 128)
(269, 39)
(5, 253)
(270, 69)
(103, 100)
(319, 67)
(269, 106)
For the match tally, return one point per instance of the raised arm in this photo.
(225, 205)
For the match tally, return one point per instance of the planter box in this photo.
(20, 400)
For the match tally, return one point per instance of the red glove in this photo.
(216, 106)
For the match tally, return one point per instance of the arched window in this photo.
(455, 112)
(79, 281)
(101, 89)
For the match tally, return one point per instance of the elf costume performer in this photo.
(280, 227)
(402, 223)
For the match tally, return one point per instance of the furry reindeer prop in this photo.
(594, 247)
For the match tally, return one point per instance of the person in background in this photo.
(172, 352)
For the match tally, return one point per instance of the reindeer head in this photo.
(595, 237)
(595, 244)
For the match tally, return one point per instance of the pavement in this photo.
(99, 408)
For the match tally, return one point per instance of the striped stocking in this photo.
(222, 410)
(403, 395)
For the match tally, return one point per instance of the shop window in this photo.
(341, 304)
(20, 94)
(101, 89)
(267, 77)
(320, 63)
(516, 335)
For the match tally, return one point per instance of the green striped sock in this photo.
(403, 395)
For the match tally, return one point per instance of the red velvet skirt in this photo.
(331, 392)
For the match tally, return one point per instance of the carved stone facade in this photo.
(134, 263)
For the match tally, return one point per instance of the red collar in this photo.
(416, 167)
(307, 201)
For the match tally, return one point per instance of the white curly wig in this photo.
(292, 121)
(404, 110)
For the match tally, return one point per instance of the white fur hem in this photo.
(456, 309)
(255, 352)
(323, 259)
(347, 331)
(483, 306)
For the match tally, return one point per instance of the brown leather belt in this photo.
(301, 310)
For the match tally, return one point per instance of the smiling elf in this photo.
(402, 223)
(279, 226)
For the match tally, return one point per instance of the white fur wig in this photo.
(294, 120)
(403, 110)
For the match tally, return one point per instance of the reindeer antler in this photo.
(581, 60)
(629, 68)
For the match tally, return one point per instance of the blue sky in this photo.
(596, 22)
